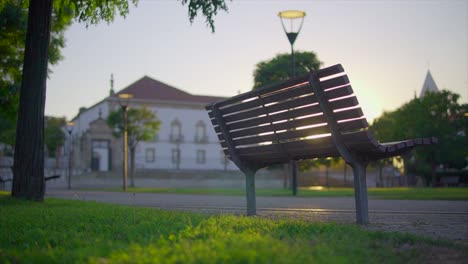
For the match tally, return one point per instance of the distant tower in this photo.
(112, 92)
(429, 85)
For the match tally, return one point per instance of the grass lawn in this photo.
(64, 231)
(402, 193)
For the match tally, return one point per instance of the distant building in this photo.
(429, 85)
(186, 139)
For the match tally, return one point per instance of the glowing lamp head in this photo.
(292, 14)
(124, 99)
(296, 18)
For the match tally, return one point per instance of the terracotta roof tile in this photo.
(150, 89)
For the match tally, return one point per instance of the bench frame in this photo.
(358, 157)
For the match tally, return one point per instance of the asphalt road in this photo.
(437, 219)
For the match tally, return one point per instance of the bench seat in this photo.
(311, 116)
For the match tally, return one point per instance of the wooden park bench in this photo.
(309, 116)
(6, 175)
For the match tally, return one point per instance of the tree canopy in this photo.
(142, 125)
(13, 26)
(279, 68)
(434, 115)
(54, 134)
(28, 168)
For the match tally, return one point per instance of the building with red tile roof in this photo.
(186, 139)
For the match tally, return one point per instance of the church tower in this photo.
(429, 85)
(112, 92)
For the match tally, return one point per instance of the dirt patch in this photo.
(437, 254)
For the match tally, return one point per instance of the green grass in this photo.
(64, 231)
(460, 193)
(402, 193)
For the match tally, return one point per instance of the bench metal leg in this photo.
(360, 193)
(250, 192)
(294, 177)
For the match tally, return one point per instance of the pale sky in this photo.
(386, 47)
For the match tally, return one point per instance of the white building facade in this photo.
(186, 139)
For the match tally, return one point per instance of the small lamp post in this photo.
(292, 30)
(70, 126)
(296, 19)
(124, 100)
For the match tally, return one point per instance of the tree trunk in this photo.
(433, 174)
(285, 176)
(132, 166)
(28, 168)
(380, 178)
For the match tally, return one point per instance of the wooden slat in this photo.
(313, 120)
(242, 106)
(353, 125)
(264, 90)
(348, 114)
(223, 144)
(332, 70)
(359, 136)
(252, 131)
(339, 92)
(308, 121)
(302, 147)
(271, 109)
(220, 136)
(344, 103)
(337, 81)
(287, 93)
(360, 141)
(280, 95)
(299, 112)
(287, 135)
(267, 159)
(335, 69)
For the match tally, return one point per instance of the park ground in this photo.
(199, 225)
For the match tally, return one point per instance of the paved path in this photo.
(445, 219)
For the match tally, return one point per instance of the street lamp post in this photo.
(124, 100)
(292, 31)
(70, 126)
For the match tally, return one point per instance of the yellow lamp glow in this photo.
(292, 14)
(125, 96)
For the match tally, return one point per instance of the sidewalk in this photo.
(444, 219)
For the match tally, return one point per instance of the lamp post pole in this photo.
(124, 100)
(125, 148)
(292, 32)
(70, 146)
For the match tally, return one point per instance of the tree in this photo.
(142, 125)
(436, 114)
(279, 68)
(28, 168)
(304, 165)
(13, 24)
(54, 135)
(7, 133)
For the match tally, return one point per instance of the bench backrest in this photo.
(285, 121)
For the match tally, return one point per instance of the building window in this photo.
(175, 156)
(176, 131)
(201, 156)
(150, 155)
(200, 132)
